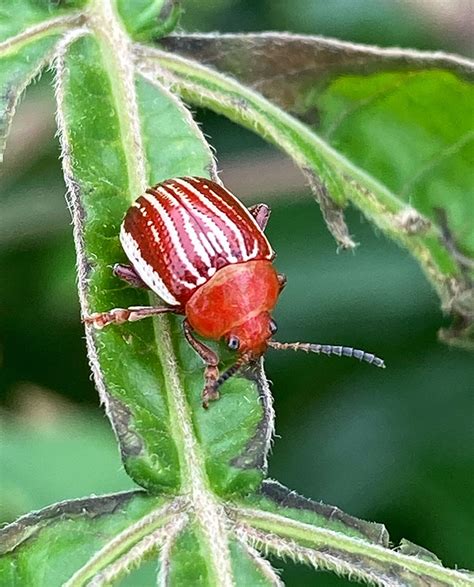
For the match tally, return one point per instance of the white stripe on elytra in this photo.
(242, 244)
(252, 219)
(215, 210)
(217, 233)
(215, 236)
(245, 253)
(205, 248)
(186, 284)
(144, 269)
(212, 238)
(219, 213)
(197, 245)
(206, 244)
(174, 236)
(156, 236)
(151, 226)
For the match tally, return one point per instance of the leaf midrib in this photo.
(117, 52)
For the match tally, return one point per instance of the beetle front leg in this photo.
(261, 213)
(121, 315)
(211, 372)
(128, 274)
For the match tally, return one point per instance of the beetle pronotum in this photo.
(206, 256)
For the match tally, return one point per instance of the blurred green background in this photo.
(395, 446)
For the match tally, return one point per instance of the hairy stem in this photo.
(38, 31)
(341, 179)
(209, 513)
(285, 537)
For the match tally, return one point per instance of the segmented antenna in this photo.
(329, 349)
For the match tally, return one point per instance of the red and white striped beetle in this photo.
(195, 245)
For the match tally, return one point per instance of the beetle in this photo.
(196, 246)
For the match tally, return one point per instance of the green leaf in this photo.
(48, 546)
(148, 377)
(275, 498)
(401, 117)
(250, 568)
(185, 563)
(128, 359)
(101, 176)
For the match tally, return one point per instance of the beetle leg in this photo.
(282, 279)
(120, 315)
(129, 275)
(210, 358)
(261, 213)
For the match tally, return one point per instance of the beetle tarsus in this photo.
(209, 396)
(121, 315)
(210, 392)
(102, 319)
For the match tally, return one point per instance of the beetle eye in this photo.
(273, 326)
(233, 343)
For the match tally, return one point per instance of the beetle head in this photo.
(251, 338)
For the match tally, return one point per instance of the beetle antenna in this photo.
(232, 370)
(329, 349)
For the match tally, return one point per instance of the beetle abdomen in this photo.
(183, 230)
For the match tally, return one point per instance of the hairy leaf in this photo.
(48, 546)
(128, 360)
(182, 562)
(250, 568)
(274, 497)
(404, 117)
